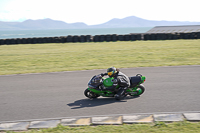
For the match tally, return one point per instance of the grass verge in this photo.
(37, 58)
(159, 127)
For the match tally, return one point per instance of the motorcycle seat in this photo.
(134, 80)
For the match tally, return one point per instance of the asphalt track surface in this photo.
(60, 94)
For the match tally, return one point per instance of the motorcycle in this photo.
(98, 84)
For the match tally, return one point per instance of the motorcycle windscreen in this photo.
(95, 82)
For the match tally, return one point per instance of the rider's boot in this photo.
(121, 93)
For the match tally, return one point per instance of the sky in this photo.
(92, 12)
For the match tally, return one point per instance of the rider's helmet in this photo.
(111, 71)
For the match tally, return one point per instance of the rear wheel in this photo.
(140, 90)
(90, 94)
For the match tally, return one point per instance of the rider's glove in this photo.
(102, 74)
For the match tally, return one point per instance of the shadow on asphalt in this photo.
(83, 103)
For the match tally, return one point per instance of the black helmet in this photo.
(111, 71)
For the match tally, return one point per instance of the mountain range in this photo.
(131, 21)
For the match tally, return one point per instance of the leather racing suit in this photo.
(122, 80)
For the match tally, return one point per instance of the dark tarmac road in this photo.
(55, 95)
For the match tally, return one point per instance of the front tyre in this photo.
(90, 94)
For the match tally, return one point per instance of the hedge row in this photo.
(102, 38)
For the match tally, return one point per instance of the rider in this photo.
(119, 79)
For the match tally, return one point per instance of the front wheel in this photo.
(139, 91)
(90, 94)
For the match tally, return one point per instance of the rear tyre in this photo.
(140, 90)
(90, 94)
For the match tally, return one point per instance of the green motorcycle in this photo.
(98, 84)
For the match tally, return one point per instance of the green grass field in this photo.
(176, 127)
(37, 58)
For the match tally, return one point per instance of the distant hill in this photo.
(139, 22)
(131, 21)
(40, 24)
